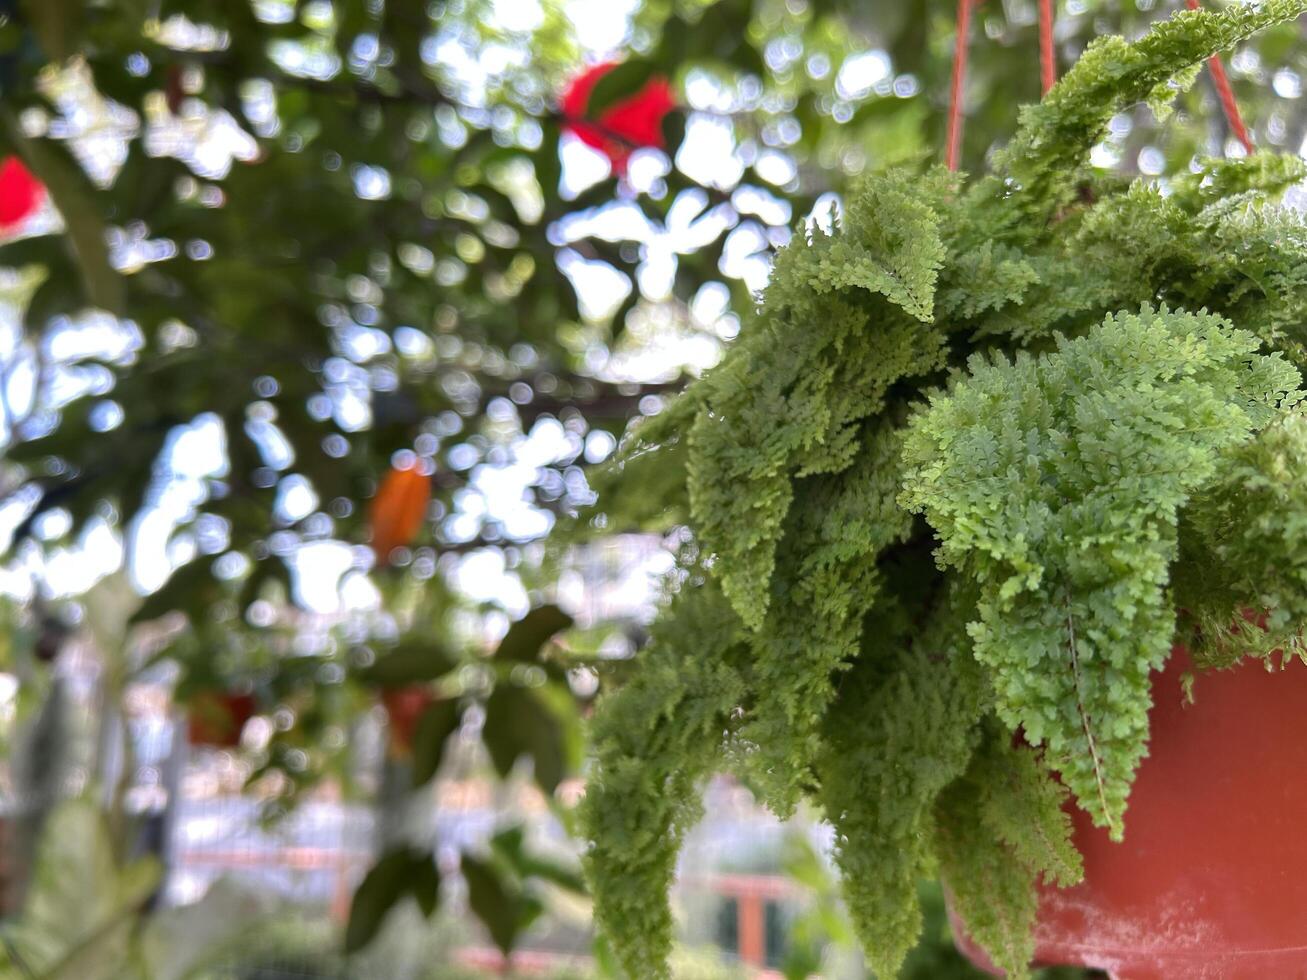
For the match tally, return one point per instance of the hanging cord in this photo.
(1226, 94)
(1047, 59)
(953, 154)
(1048, 77)
(1047, 70)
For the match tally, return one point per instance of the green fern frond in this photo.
(819, 356)
(997, 830)
(1055, 484)
(658, 738)
(1024, 809)
(1087, 474)
(989, 889)
(1242, 579)
(1056, 135)
(1219, 179)
(903, 729)
(888, 244)
(827, 580)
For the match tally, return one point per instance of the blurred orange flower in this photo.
(398, 509)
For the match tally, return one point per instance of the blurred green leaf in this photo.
(517, 724)
(383, 886)
(409, 663)
(396, 874)
(527, 637)
(425, 885)
(437, 723)
(673, 126)
(58, 24)
(80, 913)
(499, 902)
(191, 589)
(70, 189)
(619, 83)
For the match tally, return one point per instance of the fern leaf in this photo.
(1244, 549)
(901, 731)
(827, 581)
(1022, 806)
(818, 358)
(992, 892)
(659, 736)
(1055, 483)
(1056, 135)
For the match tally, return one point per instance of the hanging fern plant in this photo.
(982, 454)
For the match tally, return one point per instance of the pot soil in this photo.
(1211, 879)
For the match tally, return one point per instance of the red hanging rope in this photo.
(1047, 59)
(1047, 70)
(1048, 77)
(1226, 94)
(953, 153)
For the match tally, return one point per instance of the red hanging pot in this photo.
(1211, 879)
(217, 718)
(404, 706)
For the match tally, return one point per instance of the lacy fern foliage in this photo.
(1055, 483)
(658, 737)
(1244, 545)
(981, 455)
(843, 324)
(903, 729)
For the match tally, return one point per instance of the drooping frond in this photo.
(827, 580)
(1055, 483)
(902, 729)
(658, 737)
(838, 326)
(997, 830)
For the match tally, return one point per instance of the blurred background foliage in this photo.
(293, 246)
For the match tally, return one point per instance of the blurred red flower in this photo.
(20, 193)
(626, 125)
